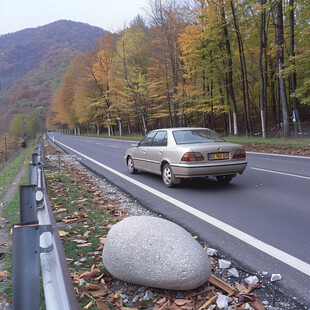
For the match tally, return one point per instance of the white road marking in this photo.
(256, 243)
(116, 147)
(280, 155)
(282, 173)
(100, 143)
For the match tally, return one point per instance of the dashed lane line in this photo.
(282, 173)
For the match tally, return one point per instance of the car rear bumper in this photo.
(190, 171)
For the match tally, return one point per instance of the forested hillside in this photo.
(33, 61)
(234, 66)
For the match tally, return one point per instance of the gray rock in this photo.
(224, 264)
(148, 295)
(211, 252)
(154, 252)
(233, 272)
(275, 277)
(223, 301)
(251, 280)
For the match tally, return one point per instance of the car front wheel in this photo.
(130, 166)
(167, 176)
(225, 179)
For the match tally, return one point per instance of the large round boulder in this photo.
(154, 252)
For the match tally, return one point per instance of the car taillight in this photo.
(239, 154)
(192, 156)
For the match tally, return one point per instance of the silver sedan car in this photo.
(177, 153)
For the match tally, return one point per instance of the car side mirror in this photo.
(134, 144)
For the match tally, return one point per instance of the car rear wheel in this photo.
(167, 176)
(225, 179)
(130, 166)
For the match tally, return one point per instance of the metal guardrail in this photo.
(36, 242)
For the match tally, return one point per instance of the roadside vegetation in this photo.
(12, 134)
(11, 216)
(10, 171)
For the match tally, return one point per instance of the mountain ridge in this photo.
(33, 61)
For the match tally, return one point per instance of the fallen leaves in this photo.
(4, 244)
(76, 217)
(62, 233)
(4, 274)
(59, 210)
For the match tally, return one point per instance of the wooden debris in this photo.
(222, 285)
(208, 303)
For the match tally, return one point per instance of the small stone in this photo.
(224, 264)
(82, 282)
(136, 298)
(275, 277)
(148, 295)
(223, 301)
(251, 280)
(211, 252)
(233, 272)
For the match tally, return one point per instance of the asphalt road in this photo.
(260, 220)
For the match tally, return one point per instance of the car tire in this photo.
(224, 179)
(167, 176)
(130, 166)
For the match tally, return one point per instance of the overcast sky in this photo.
(110, 15)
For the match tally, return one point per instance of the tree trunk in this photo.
(204, 120)
(243, 72)
(225, 124)
(229, 122)
(273, 96)
(168, 96)
(280, 42)
(262, 44)
(98, 127)
(129, 127)
(144, 124)
(292, 54)
(230, 73)
(174, 62)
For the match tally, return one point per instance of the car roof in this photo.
(182, 128)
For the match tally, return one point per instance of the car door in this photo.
(156, 151)
(141, 152)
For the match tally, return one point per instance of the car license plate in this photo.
(218, 156)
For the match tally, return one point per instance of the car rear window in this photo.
(196, 136)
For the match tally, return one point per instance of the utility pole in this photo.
(24, 134)
(5, 150)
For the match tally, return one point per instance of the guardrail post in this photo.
(26, 268)
(33, 174)
(28, 204)
(35, 158)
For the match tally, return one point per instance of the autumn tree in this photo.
(133, 53)
(165, 27)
